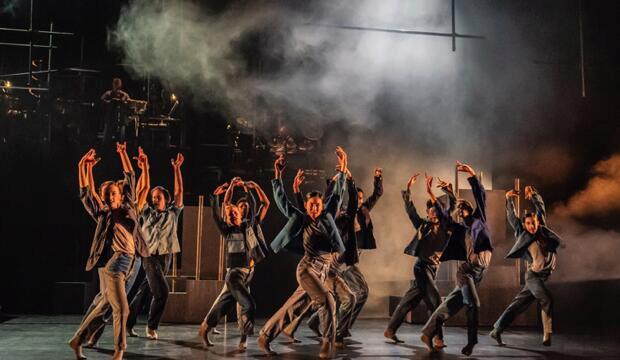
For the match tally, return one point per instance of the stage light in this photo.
(7, 84)
(173, 97)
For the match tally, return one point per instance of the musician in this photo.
(115, 121)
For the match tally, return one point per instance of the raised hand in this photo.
(349, 175)
(342, 159)
(378, 172)
(511, 194)
(299, 179)
(220, 189)
(412, 180)
(176, 163)
(250, 184)
(529, 191)
(142, 159)
(429, 183)
(278, 166)
(121, 147)
(461, 167)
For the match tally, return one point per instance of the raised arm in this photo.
(332, 198)
(299, 198)
(262, 198)
(217, 213)
(91, 181)
(178, 180)
(447, 189)
(476, 188)
(511, 214)
(129, 183)
(532, 194)
(121, 149)
(144, 181)
(279, 195)
(415, 218)
(444, 217)
(89, 201)
(377, 190)
(352, 191)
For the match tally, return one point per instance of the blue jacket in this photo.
(291, 235)
(524, 238)
(478, 229)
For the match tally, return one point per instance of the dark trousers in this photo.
(357, 283)
(534, 290)
(423, 288)
(154, 289)
(236, 291)
(112, 279)
(465, 294)
(312, 290)
(97, 326)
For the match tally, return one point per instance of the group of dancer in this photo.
(329, 235)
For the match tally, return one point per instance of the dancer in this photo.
(133, 281)
(345, 298)
(427, 246)
(243, 251)
(470, 242)
(365, 241)
(536, 244)
(117, 238)
(159, 225)
(316, 233)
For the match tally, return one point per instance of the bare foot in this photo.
(151, 334)
(118, 355)
(263, 344)
(77, 348)
(203, 335)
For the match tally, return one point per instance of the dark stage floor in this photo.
(45, 337)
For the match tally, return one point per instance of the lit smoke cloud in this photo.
(601, 196)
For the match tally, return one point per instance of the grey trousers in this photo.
(423, 288)
(534, 290)
(465, 294)
(235, 291)
(311, 274)
(345, 302)
(112, 293)
(357, 283)
(97, 326)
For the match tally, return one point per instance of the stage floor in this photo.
(45, 337)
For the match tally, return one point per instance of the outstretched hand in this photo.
(278, 166)
(511, 194)
(121, 147)
(378, 172)
(461, 167)
(342, 159)
(529, 191)
(142, 159)
(176, 163)
(299, 179)
(412, 180)
(442, 184)
(220, 189)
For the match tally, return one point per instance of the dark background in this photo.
(45, 234)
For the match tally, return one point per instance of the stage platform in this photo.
(45, 337)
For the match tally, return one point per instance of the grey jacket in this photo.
(101, 244)
(524, 238)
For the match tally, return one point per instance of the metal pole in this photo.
(456, 181)
(199, 235)
(518, 209)
(453, 27)
(581, 55)
(49, 55)
(30, 45)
